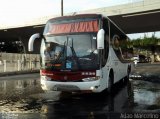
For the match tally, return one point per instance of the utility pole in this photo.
(61, 7)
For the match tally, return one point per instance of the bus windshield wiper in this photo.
(74, 55)
(63, 54)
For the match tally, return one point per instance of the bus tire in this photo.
(110, 82)
(126, 79)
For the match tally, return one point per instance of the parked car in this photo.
(142, 58)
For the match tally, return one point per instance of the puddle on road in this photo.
(146, 96)
(13, 89)
(26, 96)
(23, 96)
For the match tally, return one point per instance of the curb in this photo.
(18, 73)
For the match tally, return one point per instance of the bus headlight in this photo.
(91, 79)
(45, 78)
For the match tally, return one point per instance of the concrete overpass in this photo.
(136, 17)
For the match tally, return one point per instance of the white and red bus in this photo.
(87, 53)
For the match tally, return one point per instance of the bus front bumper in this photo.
(90, 86)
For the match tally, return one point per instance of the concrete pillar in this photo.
(19, 65)
(5, 65)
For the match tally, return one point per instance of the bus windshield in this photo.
(70, 52)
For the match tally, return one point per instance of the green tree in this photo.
(147, 43)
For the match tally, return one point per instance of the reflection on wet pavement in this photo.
(146, 96)
(87, 105)
(26, 98)
(14, 94)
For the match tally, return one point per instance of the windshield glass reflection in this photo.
(73, 52)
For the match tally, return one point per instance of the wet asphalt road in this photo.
(21, 97)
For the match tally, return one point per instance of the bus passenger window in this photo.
(117, 46)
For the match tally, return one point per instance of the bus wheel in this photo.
(126, 79)
(110, 82)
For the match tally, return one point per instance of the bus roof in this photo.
(78, 16)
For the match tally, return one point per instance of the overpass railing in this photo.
(11, 62)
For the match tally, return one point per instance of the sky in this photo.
(17, 11)
(21, 11)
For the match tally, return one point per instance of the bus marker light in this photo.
(92, 88)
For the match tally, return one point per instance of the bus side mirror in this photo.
(100, 39)
(31, 41)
